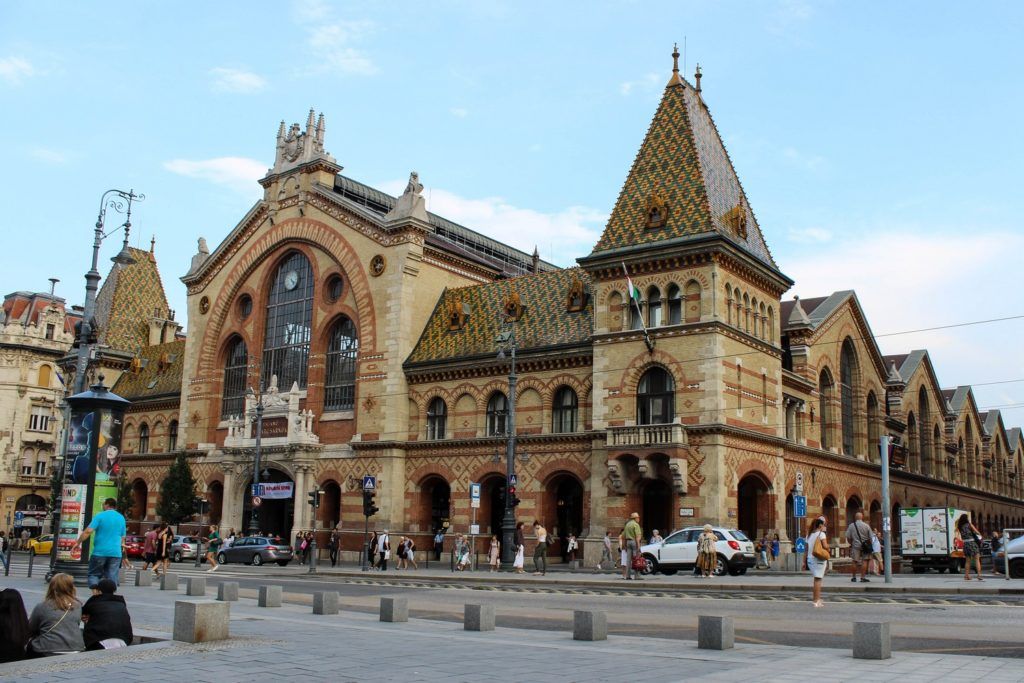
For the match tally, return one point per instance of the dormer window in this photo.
(657, 211)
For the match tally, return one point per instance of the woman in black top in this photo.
(106, 617)
(972, 551)
(14, 629)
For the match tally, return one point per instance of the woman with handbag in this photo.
(706, 552)
(817, 556)
(972, 546)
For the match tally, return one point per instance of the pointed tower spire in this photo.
(536, 258)
(696, 78)
(280, 132)
(310, 123)
(798, 317)
(675, 79)
(320, 130)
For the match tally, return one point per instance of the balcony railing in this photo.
(644, 436)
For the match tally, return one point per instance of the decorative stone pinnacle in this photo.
(675, 58)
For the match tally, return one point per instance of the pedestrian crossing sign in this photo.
(369, 483)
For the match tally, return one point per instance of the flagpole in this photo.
(636, 302)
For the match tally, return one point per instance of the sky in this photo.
(879, 144)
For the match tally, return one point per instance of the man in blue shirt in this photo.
(109, 529)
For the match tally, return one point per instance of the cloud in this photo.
(238, 173)
(459, 112)
(331, 43)
(810, 162)
(306, 11)
(645, 84)
(236, 81)
(14, 70)
(788, 15)
(809, 235)
(49, 156)
(560, 236)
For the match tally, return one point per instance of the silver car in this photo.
(184, 548)
(256, 550)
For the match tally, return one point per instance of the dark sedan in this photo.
(256, 550)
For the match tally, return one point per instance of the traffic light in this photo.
(314, 499)
(369, 509)
(513, 498)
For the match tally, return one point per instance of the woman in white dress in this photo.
(817, 542)
(520, 542)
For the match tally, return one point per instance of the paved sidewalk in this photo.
(352, 646)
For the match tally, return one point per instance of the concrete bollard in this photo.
(325, 602)
(715, 633)
(872, 640)
(169, 581)
(195, 585)
(478, 617)
(200, 621)
(122, 576)
(589, 625)
(227, 591)
(270, 596)
(394, 610)
(143, 578)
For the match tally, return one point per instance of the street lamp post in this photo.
(508, 521)
(254, 524)
(121, 202)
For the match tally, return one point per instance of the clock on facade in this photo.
(291, 279)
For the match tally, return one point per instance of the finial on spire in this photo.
(675, 58)
(152, 244)
(696, 77)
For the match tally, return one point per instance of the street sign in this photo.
(474, 529)
(257, 501)
(369, 483)
(799, 506)
(513, 480)
(799, 482)
(474, 495)
(801, 545)
(18, 516)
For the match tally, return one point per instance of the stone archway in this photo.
(140, 500)
(563, 496)
(435, 504)
(655, 507)
(329, 513)
(215, 501)
(755, 505)
(492, 504)
(275, 516)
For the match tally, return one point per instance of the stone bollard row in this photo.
(715, 633)
(195, 586)
(200, 621)
(269, 596)
(169, 581)
(325, 602)
(872, 640)
(227, 591)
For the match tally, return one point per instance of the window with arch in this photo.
(497, 414)
(45, 376)
(939, 452)
(614, 312)
(874, 434)
(771, 324)
(289, 321)
(924, 440)
(847, 374)
(728, 304)
(655, 398)
(825, 388)
(675, 305)
(693, 306)
(236, 369)
(912, 444)
(565, 411)
(653, 307)
(746, 313)
(437, 418)
(172, 436)
(763, 319)
(340, 381)
(144, 438)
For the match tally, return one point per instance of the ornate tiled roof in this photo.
(157, 373)
(546, 320)
(683, 166)
(130, 296)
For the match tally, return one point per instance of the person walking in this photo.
(230, 540)
(109, 529)
(25, 535)
(634, 539)
(571, 546)
(707, 555)
(858, 535)
(371, 550)
(818, 554)
(540, 552)
(520, 541)
(995, 543)
(14, 631)
(4, 545)
(606, 551)
(776, 549)
(149, 549)
(165, 541)
(494, 553)
(332, 546)
(462, 559)
(215, 542)
(762, 553)
(384, 548)
(410, 553)
(53, 626)
(971, 537)
(623, 555)
(438, 544)
(107, 622)
(876, 564)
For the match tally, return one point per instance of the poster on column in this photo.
(108, 458)
(72, 514)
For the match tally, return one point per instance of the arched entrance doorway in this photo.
(437, 500)
(876, 515)
(853, 506)
(215, 503)
(829, 511)
(34, 508)
(656, 507)
(754, 505)
(140, 495)
(275, 515)
(329, 512)
(568, 508)
(492, 505)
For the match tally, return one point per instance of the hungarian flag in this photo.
(634, 291)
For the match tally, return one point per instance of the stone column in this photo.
(229, 518)
(594, 541)
(299, 517)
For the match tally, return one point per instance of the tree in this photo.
(177, 493)
(125, 498)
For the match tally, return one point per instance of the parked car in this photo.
(256, 550)
(133, 546)
(184, 548)
(40, 545)
(1015, 551)
(679, 551)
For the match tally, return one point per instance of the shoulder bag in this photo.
(820, 550)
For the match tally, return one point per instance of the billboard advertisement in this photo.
(72, 517)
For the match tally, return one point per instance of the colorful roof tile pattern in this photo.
(158, 372)
(545, 321)
(129, 297)
(683, 163)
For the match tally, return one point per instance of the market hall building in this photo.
(371, 326)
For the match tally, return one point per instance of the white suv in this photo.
(679, 551)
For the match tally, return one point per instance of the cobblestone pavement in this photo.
(354, 646)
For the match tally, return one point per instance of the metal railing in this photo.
(647, 435)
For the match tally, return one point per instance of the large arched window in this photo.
(825, 388)
(44, 376)
(144, 438)
(497, 414)
(564, 411)
(924, 445)
(655, 398)
(172, 436)
(340, 383)
(653, 307)
(675, 305)
(874, 434)
(847, 372)
(437, 418)
(289, 320)
(236, 369)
